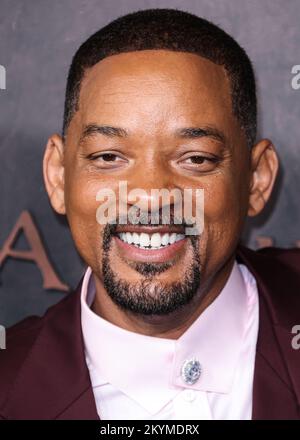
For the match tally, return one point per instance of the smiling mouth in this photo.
(149, 241)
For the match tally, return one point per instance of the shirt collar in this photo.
(139, 365)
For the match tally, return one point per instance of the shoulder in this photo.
(276, 256)
(19, 340)
(288, 257)
(277, 273)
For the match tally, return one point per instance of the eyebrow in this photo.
(185, 133)
(195, 132)
(105, 130)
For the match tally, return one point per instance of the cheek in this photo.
(81, 201)
(223, 210)
(81, 208)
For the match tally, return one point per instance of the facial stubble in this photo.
(149, 296)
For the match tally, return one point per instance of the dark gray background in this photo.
(37, 41)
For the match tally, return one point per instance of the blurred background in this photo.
(37, 42)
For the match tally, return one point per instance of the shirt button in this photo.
(191, 371)
(189, 395)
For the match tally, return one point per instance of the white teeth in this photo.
(150, 241)
(129, 237)
(172, 238)
(165, 239)
(144, 239)
(136, 238)
(155, 240)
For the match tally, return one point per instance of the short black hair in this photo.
(169, 29)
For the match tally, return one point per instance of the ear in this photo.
(264, 168)
(53, 169)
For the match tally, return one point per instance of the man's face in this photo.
(152, 95)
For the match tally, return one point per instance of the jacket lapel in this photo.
(54, 381)
(276, 387)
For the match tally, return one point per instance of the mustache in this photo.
(146, 218)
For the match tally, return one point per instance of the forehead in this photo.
(160, 87)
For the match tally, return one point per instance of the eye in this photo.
(196, 159)
(107, 160)
(109, 157)
(199, 162)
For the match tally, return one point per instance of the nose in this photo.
(152, 187)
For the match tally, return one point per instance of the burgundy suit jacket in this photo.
(43, 373)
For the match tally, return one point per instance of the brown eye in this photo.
(197, 159)
(107, 160)
(199, 163)
(109, 157)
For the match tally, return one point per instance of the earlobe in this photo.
(53, 170)
(264, 169)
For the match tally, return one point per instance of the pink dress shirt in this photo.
(139, 377)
